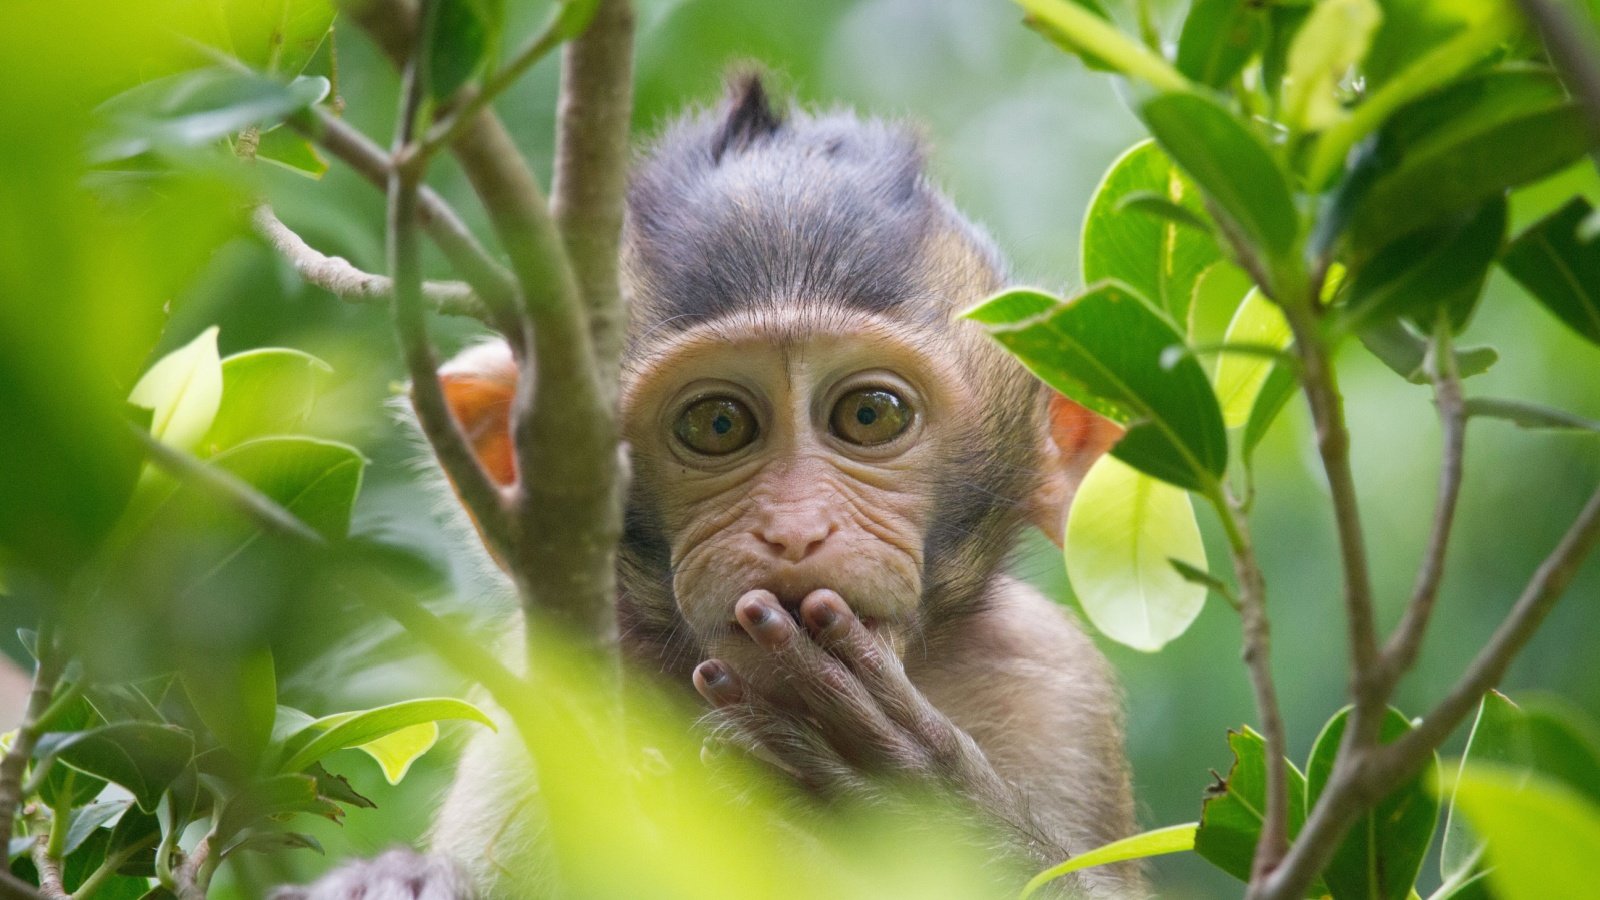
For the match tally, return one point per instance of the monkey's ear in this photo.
(1075, 438)
(479, 386)
(746, 117)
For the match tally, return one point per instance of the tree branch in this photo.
(1572, 53)
(1365, 776)
(49, 868)
(337, 276)
(1401, 651)
(14, 888)
(45, 673)
(1274, 840)
(589, 189)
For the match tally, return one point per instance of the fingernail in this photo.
(825, 616)
(713, 674)
(758, 613)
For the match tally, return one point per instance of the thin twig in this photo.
(1571, 45)
(14, 888)
(189, 881)
(1257, 652)
(51, 886)
(1366, 776)
(45, 674)
(1401, 651)
(235, 491)
(339, 277)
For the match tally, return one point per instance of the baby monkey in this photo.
(829, 471)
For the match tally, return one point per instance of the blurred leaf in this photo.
(278, 36)
(284, 147)
(1241, 376)
(184, 389)
(1161, 841)
(1081, 27)
(1232, 166)
(195, 108)
(1382, 853)
(1218, 38)
(181, 803)
(1411, 28)
(314, 479)
(1559, 269)
(395, 752)
(1445, 154)
(236, 696)
(271, 842)
(343, 731)
(1231, 818)
(1443, 267)
(1122, 527)
(1156, 256)
(1499, 736)
(1564, 744)
(1328, 44)
(86, 819)
(464, 44)
(1402, 350)
(1543, 837)
(1283, 25)
(269, 800)
(271, 391)
(1529, 415)
(1103, 350)
(576, 14)
(142, 757)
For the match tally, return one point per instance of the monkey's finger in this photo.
(778, 739)
(718, 683)
(842, 707)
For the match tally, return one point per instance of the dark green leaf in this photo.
(1380, 857)
(140, 756)
(269, 841)
(1529, 415)
(464, 44)
(1231, 165)
(1447, 153)
(86, 819)
(1433, 269)
(1404, 351)
(1156, 256)
(1104, 350)
(196, 108)
(1219, 37)
(1564, 744)
(337, 788)
(236, 696)
(270, 800)
(1163, 207)
(1230, 820)
(1499, 735)
(1559, 269)
(182, 801)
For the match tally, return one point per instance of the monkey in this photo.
(829, 472)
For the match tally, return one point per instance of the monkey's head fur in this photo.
(794, 281)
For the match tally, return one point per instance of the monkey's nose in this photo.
(795, 541)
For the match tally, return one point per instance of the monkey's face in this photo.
(792, 451)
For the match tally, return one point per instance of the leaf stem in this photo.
(1089, 34)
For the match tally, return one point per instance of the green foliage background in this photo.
(1020, 135)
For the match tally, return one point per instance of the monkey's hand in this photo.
(863, 725)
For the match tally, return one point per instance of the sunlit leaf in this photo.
(1332, 40)
(1122, 528)
(284, 147)
(1559, 269)
(353, 729)
(1231, 819)
(1240, 376)
(1158, 257)
(396, 751)
(1161, 841)
(314, 479)
(1382, 853)
(1103, 350)
(1081, 27)
(1543, 837)
(265, 392)
(278, 36)
(184, 388)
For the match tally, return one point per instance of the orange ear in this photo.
(1076, 438)
(479, 386)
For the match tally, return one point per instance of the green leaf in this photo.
(1499, 736)
(272, 799)
(1231, 165)
(1283, 25)
(87, 819)
(142, 757)
(1446, 154)
(1436, 268)
(1083, 29)
(192, 109)
(1231, 819)
(265, 392)
(278, 36)
(1380, 857)
(1241, 376)
(1543, 836)
(1157, 257)
(271, 841)
(1218, 38)
(1564, 744)
(316, 480)
(576, 14)
(236, 696)
(395, 752)
(1559, 269)
(343, 731)
(1163, 207)
(1104, 351)
(285, 148)
(337, 788)
(1332, 40)
(1122, 528)
(465, 39)
(1161, 841)
(1528, 415)
(1402, 350)
(184, 389)
(1411, 28)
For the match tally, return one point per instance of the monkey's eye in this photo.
(716, 426)
(870, 416)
